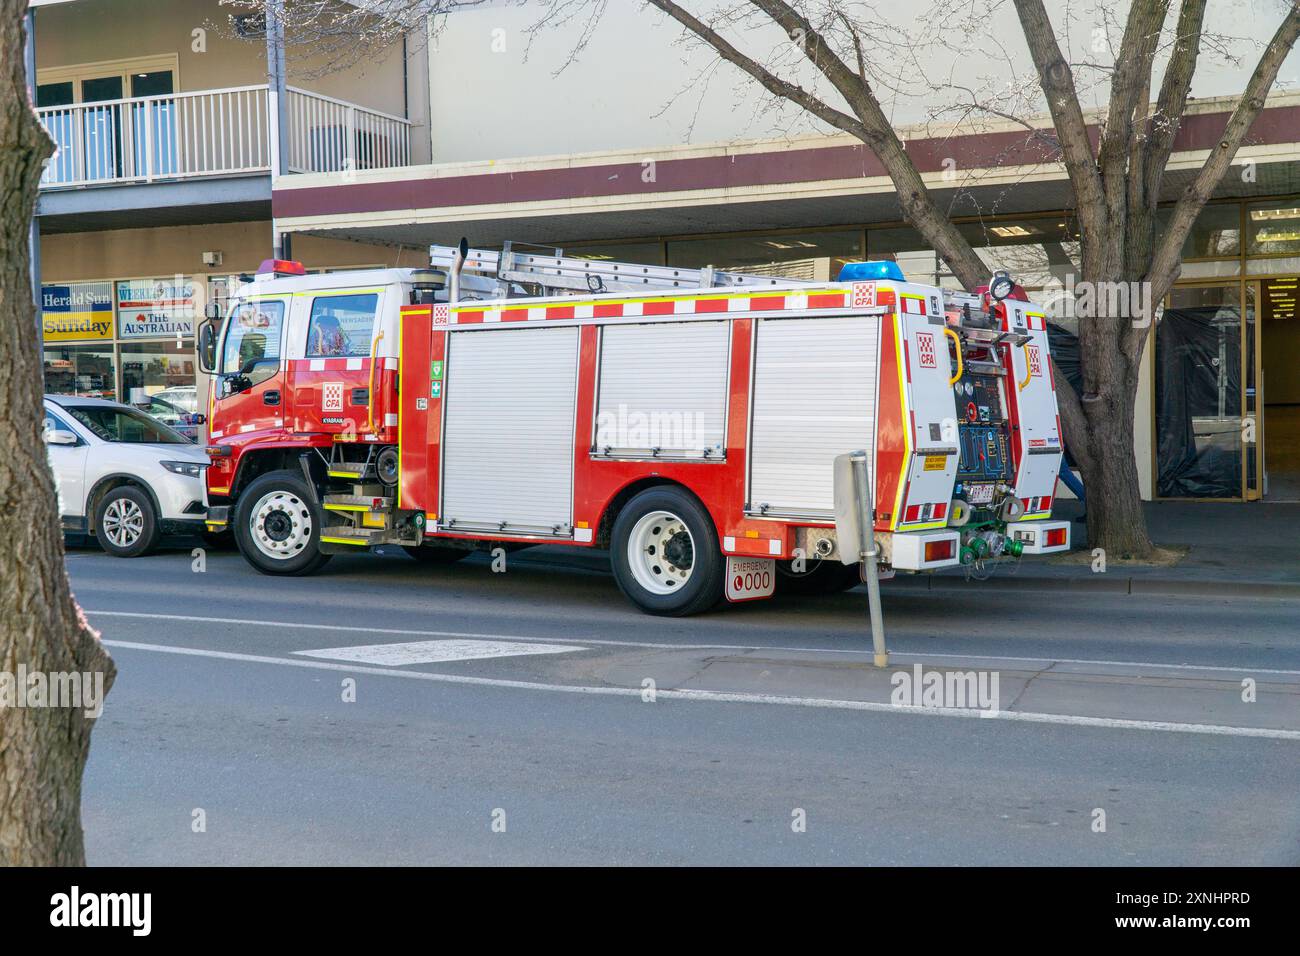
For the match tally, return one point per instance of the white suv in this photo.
(122, 475)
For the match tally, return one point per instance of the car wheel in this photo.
(665, 553)
(820, 576)
(432, 554)
(126, 524)
(277, 525)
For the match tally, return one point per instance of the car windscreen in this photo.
(124, 425)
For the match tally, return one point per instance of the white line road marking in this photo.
(435, 652)
(733, 698)
(901, 658)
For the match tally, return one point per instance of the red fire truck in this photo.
(687, 420)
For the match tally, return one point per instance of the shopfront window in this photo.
(86, 370)
(645, 253)
(152, 368)
(1199, 393)
(1273, 229)
(1039, 253)
(806, 255)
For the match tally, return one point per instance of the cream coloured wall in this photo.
(637, 85)
(137, 253)
(95, 31)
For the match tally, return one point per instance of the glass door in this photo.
(1207, 401)
(102, 127)
(153, 123)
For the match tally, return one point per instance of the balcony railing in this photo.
(214, 133)
(329, 136)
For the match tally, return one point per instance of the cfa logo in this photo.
(331, 397)
(925, 346)
(73, 909)
(1035, 361)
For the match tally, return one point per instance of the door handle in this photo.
(271, 397)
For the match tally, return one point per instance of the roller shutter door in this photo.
(508, 445)
(663, 387)
(814, 398)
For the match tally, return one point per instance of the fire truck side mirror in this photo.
(207, 346)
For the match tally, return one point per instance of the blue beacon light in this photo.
(879, 269)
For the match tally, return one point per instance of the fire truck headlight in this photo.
(193, 469)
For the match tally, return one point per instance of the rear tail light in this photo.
(1055, 538)
(1045, 504)
(940, 510)
(940, 550)
(913, 513)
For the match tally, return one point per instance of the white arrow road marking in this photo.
(435, 652)
(734, 698)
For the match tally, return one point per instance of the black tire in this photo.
(434, 554)
(702, 589)
(126, 523)
(820, 576)
(288, 510)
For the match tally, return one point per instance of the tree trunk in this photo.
(1116, 523)
(42, 748)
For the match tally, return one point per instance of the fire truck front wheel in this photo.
(665, 553)
(277, 526)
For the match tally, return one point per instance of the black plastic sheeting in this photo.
(1198, 403)
(1198, 441)
(1064, 346)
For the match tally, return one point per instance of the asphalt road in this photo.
(561, 751)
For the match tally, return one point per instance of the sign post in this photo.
(855, 532)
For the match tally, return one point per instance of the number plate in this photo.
(749, 579)
(979, 494)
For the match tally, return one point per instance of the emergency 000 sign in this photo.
(749, 579)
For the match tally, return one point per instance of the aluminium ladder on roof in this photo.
(555, 271)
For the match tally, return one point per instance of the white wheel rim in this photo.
(661, 552)
(280, 525)
(123, 522)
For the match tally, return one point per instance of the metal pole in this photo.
(868, 552)
(277, 110)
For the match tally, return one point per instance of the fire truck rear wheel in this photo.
(665, 553)
(277, 526)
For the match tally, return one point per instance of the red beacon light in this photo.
(281, 267)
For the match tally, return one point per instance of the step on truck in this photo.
(685, 420)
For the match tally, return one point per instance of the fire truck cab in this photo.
(687, 420)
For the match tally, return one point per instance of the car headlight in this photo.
(193, 469)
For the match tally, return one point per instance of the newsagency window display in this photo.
(77, 326)
(128, 341)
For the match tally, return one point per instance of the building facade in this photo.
(170, 121)
(638, 147)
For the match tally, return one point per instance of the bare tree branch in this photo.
(1177, 82)
(1166, 263)
(1063, 105)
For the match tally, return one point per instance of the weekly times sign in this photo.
(155, 308)
(79, 311)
